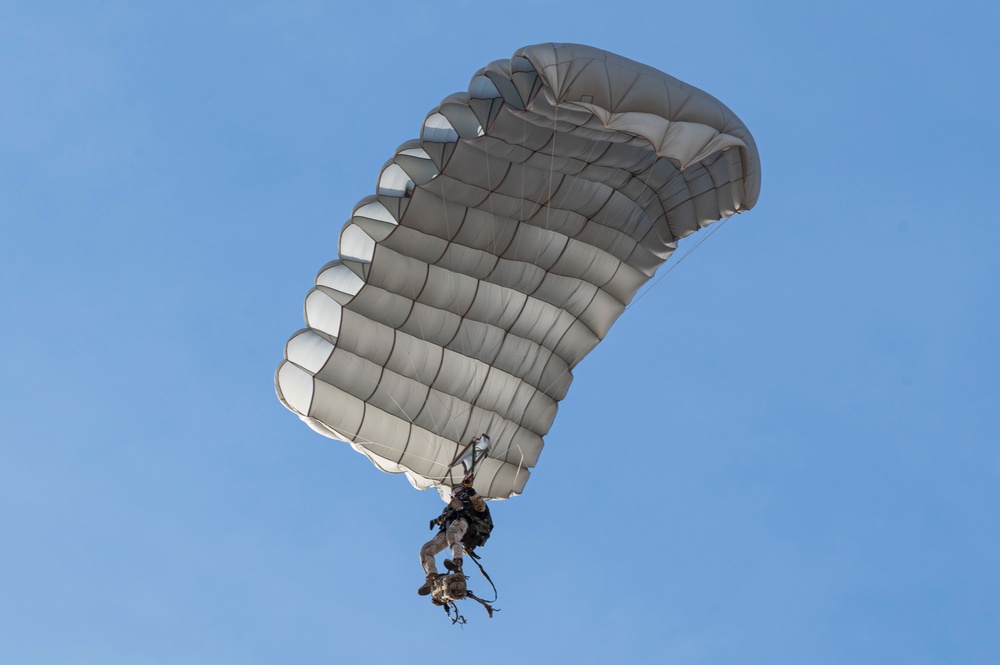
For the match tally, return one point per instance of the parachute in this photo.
(498, 250)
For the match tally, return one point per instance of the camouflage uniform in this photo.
(464, 501)
(450, 537)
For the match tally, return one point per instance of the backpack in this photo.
(478, 532)
(448, 588)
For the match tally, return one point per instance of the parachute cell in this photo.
(499, 250)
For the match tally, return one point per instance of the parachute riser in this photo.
(472, 455)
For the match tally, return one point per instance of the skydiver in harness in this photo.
(463, 525)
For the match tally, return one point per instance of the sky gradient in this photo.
(808, 404)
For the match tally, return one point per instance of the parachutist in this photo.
(463, 525)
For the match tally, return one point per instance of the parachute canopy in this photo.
(498, 250)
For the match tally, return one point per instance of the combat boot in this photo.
(425, 589)
(454, 566)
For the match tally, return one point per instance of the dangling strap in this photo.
(485, 603)
(475, 560)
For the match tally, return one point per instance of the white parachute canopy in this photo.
(498, 250)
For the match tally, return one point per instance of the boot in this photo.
(425, 589)
(454, 566)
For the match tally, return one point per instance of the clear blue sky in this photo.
(809, 402)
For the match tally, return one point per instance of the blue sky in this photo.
(785, 452)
